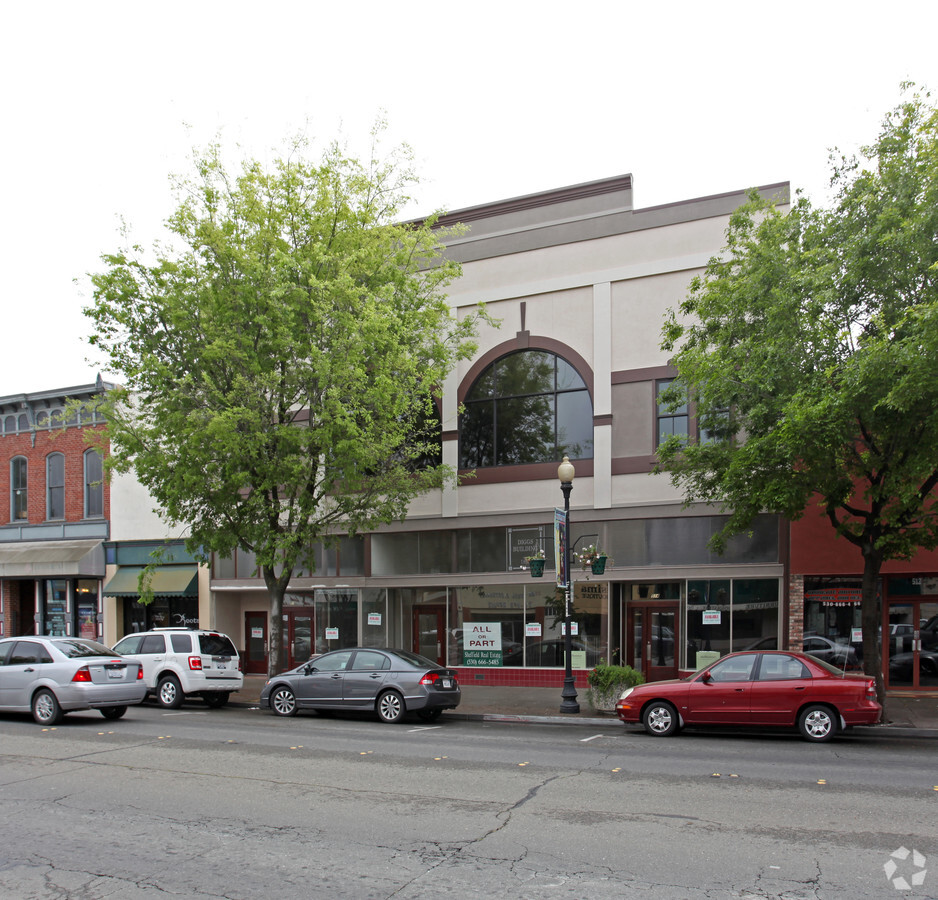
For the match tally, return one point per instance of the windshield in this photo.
(76, 647)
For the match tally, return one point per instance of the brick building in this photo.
(57, 518)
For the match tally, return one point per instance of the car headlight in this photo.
(625, 693)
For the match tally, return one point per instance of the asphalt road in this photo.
(236, 803)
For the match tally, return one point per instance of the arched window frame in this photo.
(550, 411)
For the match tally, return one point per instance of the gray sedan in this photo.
(50, 676)
(388, 682)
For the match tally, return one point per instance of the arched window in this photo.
(55, 486)
(18, 485)
(94, 485)
(527, 407)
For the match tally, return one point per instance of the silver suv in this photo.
(178, 663)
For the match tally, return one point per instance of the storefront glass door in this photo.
(299, 636)
(652, 640)
(910, 648)
(430, 633)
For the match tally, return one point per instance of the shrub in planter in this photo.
(607, 682)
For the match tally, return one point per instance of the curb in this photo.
(907, 731)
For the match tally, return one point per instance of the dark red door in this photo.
(653, 640)
(430, 632)
(255, 643)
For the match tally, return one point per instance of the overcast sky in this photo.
(103, 100)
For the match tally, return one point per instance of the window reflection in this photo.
(527, 407)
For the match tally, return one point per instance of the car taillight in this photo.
(139, 673)
(83, 674)
(429, 679)
(871, 689)
(195, 663)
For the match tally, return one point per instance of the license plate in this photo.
(221, 665)
(447, 682)
(115, 673)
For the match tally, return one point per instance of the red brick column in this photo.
(795, 611)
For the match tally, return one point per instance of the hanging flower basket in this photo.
(593, 559)
(537, 568)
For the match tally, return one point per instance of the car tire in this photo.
(660, 719)
(45, 708)
(216, 699)
(113, 712)
(430, 715)
(169, 692)
(283, 701)
(817, 723)
(390, 707)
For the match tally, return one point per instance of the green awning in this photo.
(166, 581)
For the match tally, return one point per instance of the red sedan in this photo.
(774, 688)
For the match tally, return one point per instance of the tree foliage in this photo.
(810, 349)
(280, 355)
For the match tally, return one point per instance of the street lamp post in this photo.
(566, 473)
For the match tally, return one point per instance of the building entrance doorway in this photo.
(910, 648)
(298, 635)
(430, 632)
(255, 643)
(651, 639)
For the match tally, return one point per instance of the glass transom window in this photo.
(528, 407)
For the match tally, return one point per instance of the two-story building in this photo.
(52, 542)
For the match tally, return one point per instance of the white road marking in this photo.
(423, 728)
(593, 738)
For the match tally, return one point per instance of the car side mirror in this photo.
(308, 669)
(706, 678)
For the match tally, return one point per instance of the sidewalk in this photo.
(917, 715)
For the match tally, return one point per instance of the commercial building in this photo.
(52, 545)
(579, 281)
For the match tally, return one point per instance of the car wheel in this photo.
(283, 701)
(391, 707)
(46, 709)
(113, 712)
(430, 715)
(169, 692)
(216, 699)
(660, 719)
(817, 723)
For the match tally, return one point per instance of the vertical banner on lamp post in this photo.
(560, 546)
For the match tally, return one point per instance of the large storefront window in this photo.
(832, 619)
(163, 612)
(724, 616)
(55, 612)
(522, 626)
(86, 608)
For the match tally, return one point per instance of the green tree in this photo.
(810, 349)
(280, 356)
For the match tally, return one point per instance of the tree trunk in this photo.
(276, 588)
(871, 621)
